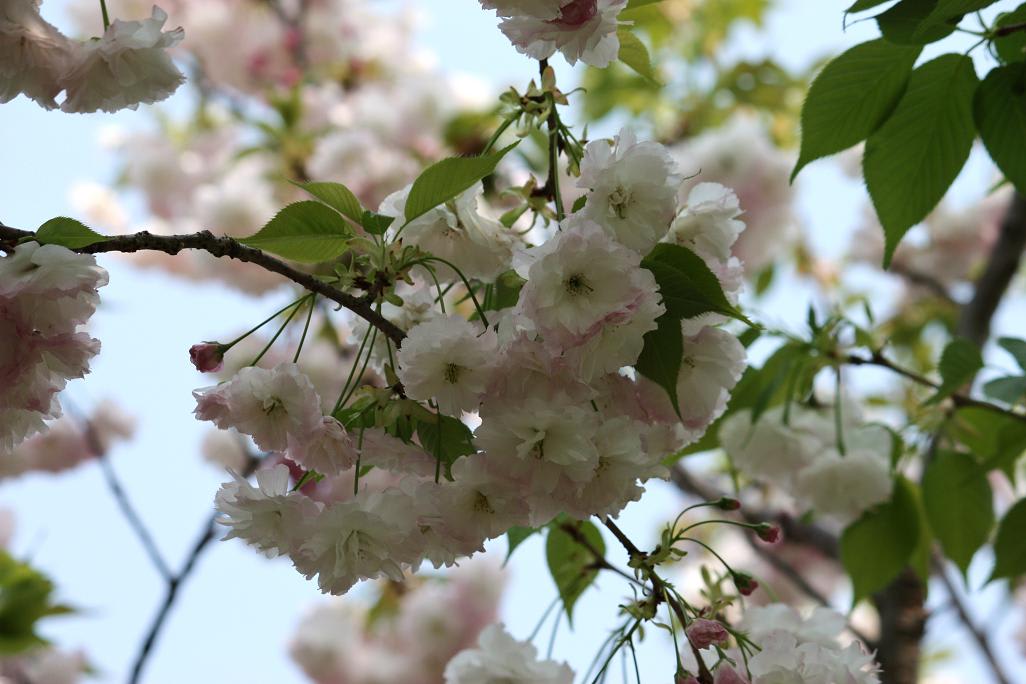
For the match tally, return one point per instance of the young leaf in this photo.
(959, 505)
(337, 196)
(915, 155)
(862, 5)
(1012, 47)
(959, 362)
(634, 54)
(569, 562)
(661, 356)
(912, 22)
(445, 437)
(1015, 347)
(375, 224)
(687, 285)
(852, 96)
(877, 546)
(1010, 543)
(1009, 389)
(447, 178)
(999, 109)
(516, 536)
(67, 232)
(305, 231)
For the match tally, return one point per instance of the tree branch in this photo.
(227, 247)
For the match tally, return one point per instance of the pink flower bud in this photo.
(207, 357)
(576, 13)
(769, 533)
(727, 503)
(704, 633)
(745, 583)
(725, 674)
(686, 679)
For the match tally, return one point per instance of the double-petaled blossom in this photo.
(501, 658)
(34, 55)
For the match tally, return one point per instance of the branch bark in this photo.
(227, 247)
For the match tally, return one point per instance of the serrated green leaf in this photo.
(959, 505)
(376, 224)
(1011, 48)
(304, 231)
(960, 361)
(661, 355)
(912, 159)
(687, 285)
(879, 545)
(444, 180)
(852, 96)
(1015, 347)
(337, 196)
(516, 536)
(1008, 389)
(913, 22)
(68, 232)
(956, 9)
(999, 110)
(634, 54)
(1010, 544)
(569, 562)
(863, 5)
(446, 438)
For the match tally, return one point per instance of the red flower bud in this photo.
(727, 503)
(769, 533)
(745, 583)
(207, 357)
(704, 633)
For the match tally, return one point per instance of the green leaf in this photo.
(1009, 389)
(25, 599)
(444, 180)
(506, 292)
(959, 362)
(1015, 347)
(634, 54)
(880, 544)
(570, 562)
(913, 22)
(852, 96)
(337, 196)
(661, 356)
(959, 505)
(997, 440)
(1010, 543)
(863, 5)
(375, 224)
(305, 231)
(956, 9)
(1011, 48)
(916, 154)
(999, 109)
(687, 285)
(516, 536)
(68, 232)
(446, 438)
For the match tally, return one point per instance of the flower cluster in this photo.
(46, 293)
(582, 30)
(127, 66)
(801, 455)
(407, 636)
(564, 428)
(501, 658)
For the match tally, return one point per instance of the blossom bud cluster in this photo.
(564, 428)
(46, 293)
(125, 67)
(802, 456)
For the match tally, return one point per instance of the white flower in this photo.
(581, 30)
(364, 538)
(709, 224)
(712, 363)
(328, 450)
(457, 232)
(124, 68)
(269, 405)
(448, 360)
(769, 449)
(33, 54)
(543, 9)
(633, 189)
(821, 626)
(844, 486)
(268, 516)
(500, 658)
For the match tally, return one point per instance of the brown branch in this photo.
(227, 247)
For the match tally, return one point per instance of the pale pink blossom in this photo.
(704, 633)
(328, 449)
(33, 54)
(582, 30)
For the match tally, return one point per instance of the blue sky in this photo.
(233, 619)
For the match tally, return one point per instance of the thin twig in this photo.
(227, 247)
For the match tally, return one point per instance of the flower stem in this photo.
(106, 17)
